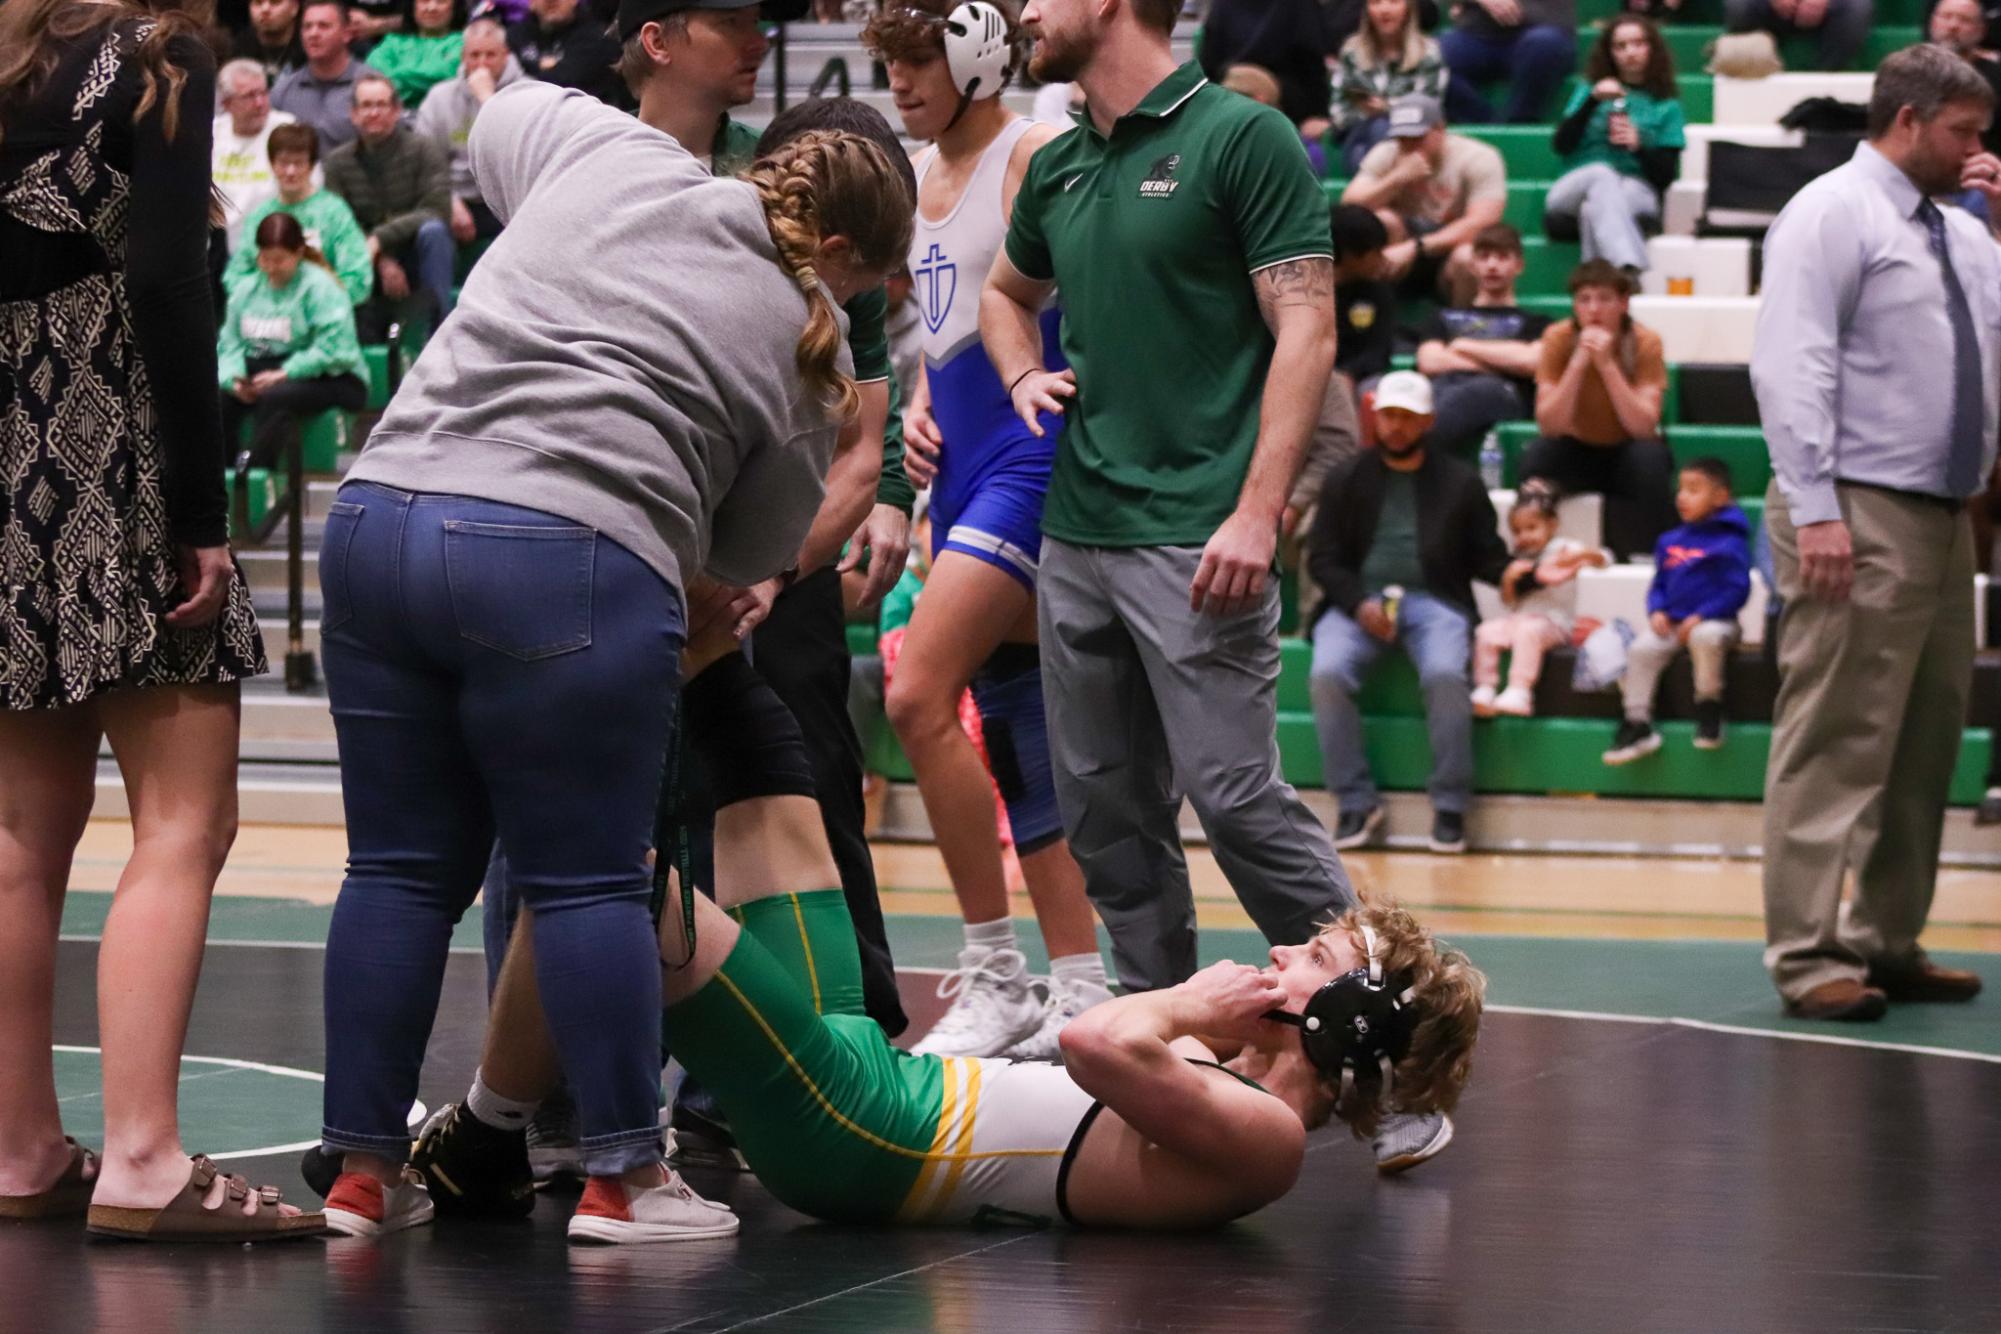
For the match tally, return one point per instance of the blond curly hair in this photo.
(1450, 993)
(824, 184)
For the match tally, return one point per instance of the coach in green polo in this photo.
(1190, 244)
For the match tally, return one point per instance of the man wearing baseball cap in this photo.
(1434, 191)
(690, 61)
(1401, 533)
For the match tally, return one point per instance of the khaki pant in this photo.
(1872, 699)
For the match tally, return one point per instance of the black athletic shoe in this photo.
(1448, 832)
(1633, 741)
(320, 1170)
(1358, 829)
(474, 1170)
(703, 1139)
(1709, 724)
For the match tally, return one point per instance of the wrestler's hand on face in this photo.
(1230, 1000)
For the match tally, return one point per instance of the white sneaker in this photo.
(1062, 1002)
(360, 1206)
(992, 1006)
(609, 1212)
(1515, 702)
(1483, 701)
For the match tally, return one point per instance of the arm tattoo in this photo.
(1298, 282)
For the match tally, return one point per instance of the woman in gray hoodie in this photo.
(504, 577)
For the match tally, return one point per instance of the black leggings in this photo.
(1636, 479)
(279, 410)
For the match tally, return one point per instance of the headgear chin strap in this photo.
(977, 52)
(1360, 1020)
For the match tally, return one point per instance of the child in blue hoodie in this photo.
(1702, 578)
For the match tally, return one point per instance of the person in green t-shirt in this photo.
(1621, 141)
(425, 52)
(288, 348)
(327, 221)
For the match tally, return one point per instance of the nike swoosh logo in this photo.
(1072, 181)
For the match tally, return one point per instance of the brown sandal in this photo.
(186, 1218)
(68, 1198)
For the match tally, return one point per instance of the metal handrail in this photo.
(301, 670)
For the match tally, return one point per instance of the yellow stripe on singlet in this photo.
(913, 1203)
(806, 946)
(962, 1150)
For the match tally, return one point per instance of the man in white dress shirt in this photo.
(1877, 367)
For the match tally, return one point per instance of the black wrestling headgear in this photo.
(1359, 1021)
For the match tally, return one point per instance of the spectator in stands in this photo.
(425, 51)
(1598, 405)
(1400, 534)
(1257, 83)
(320, 93)
(1702, 579)
(1877, 367)
(240, 163)
(1621, 142)
(400, 188)
(1390, 57)
(1960, 26)
(1531, 45)
(485, 67)
(1286, 37)
(372, 20)
(1434, 190)
(1843, 25)
(1539, 589)
(1365, 306)
(559, 44)
(1482, 357)
(288, 346)
(324, 216)
(271, 38)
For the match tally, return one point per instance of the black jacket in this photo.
(1458, 534)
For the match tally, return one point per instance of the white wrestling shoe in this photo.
(1062, 1001)
(610, 1213)
(992, 1006)
(1405, 1139)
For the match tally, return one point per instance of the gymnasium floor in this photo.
(1645, 1146)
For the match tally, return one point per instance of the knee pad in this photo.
(1008, 690)
(748, 742)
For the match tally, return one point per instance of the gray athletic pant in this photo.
(1148, 700)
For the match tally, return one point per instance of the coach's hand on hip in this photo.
(1037, 392)
(1235, 565)
(1827, 561)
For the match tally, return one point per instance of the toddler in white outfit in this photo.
(1540, 591)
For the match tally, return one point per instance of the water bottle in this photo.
(1491, 461)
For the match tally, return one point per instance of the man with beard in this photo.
(1961, 28)
(1876, 371)
(1190, 240)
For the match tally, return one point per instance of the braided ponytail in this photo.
(821, 185)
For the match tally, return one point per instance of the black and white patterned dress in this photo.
(110, 438)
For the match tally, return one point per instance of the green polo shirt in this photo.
(1153, 233)
(868, 334)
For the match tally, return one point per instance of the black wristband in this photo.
(1019, 378)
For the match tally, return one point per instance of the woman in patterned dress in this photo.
(122, 616)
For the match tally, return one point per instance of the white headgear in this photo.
(977, 51)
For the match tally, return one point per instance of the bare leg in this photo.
(519, 1059)
(176, 748)
(48, 766)
(1062, 910)
(966, 611)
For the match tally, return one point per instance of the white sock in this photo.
(491, 1109)
(995, 935)
(1080, 970)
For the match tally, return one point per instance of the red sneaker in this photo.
(360, 1206)
(609, 1212)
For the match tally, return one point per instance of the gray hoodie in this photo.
(625, 354)
(446, 117)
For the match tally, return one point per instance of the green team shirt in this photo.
(1153, 232)
(868, 332)
(1657, 120)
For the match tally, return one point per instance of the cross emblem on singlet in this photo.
(937, 283)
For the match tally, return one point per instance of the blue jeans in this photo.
(1359, 139)
(494, 672)
(1439, 639)
(1535, 61)
(432, 258)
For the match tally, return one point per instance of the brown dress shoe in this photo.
(1926, 982)
(1844, 999)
